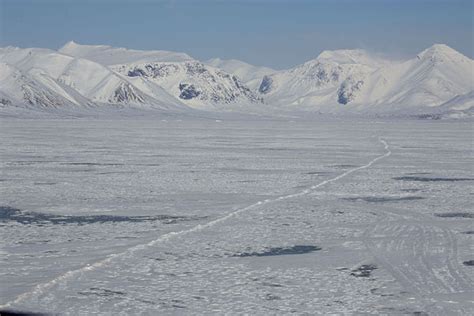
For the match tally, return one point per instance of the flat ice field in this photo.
(204, 217)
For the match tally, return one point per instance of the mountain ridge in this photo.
(336, 82)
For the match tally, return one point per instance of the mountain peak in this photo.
(440, 52)
(109, 55)
(69, 45)
(350, 56)
(347, 53)
(72, 47)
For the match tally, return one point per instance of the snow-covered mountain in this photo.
(191, 81)
(438, 80)
(353, 80)
(108, 55)
(87, 76)
(316, 82)
(181, 76)
(46, 78)
(249, 74)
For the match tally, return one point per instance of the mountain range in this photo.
(437, 82)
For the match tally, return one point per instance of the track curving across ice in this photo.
(422, 256)
(42, 288)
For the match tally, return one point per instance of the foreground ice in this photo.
(193, 217)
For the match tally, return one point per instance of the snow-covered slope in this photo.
(353, 56)
(87, 75)
(461, 102)
(188, 80)
(108, 55)
(460, 106)
(353, 80)
(322, 81)
(18, 88)
(434, 76)
(194, 83)
(81, 82)
(249, 74)
(439, 79)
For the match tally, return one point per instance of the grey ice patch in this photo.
(364, 271)
(396, 311)
(11, 312)
(95, 291)
(410, 190)
(272, 297)
(12, 214)
(431, 179)
(91, 164)
(344, 166)
(279, 251)
(455, 215)
(375, 199)
(117, 172)
(269, 284)
(381, 292)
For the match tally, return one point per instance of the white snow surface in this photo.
(176, 217)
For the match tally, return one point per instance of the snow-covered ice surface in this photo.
(214, 217)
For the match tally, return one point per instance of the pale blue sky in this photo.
(279, 33)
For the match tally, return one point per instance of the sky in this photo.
(278, 33)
